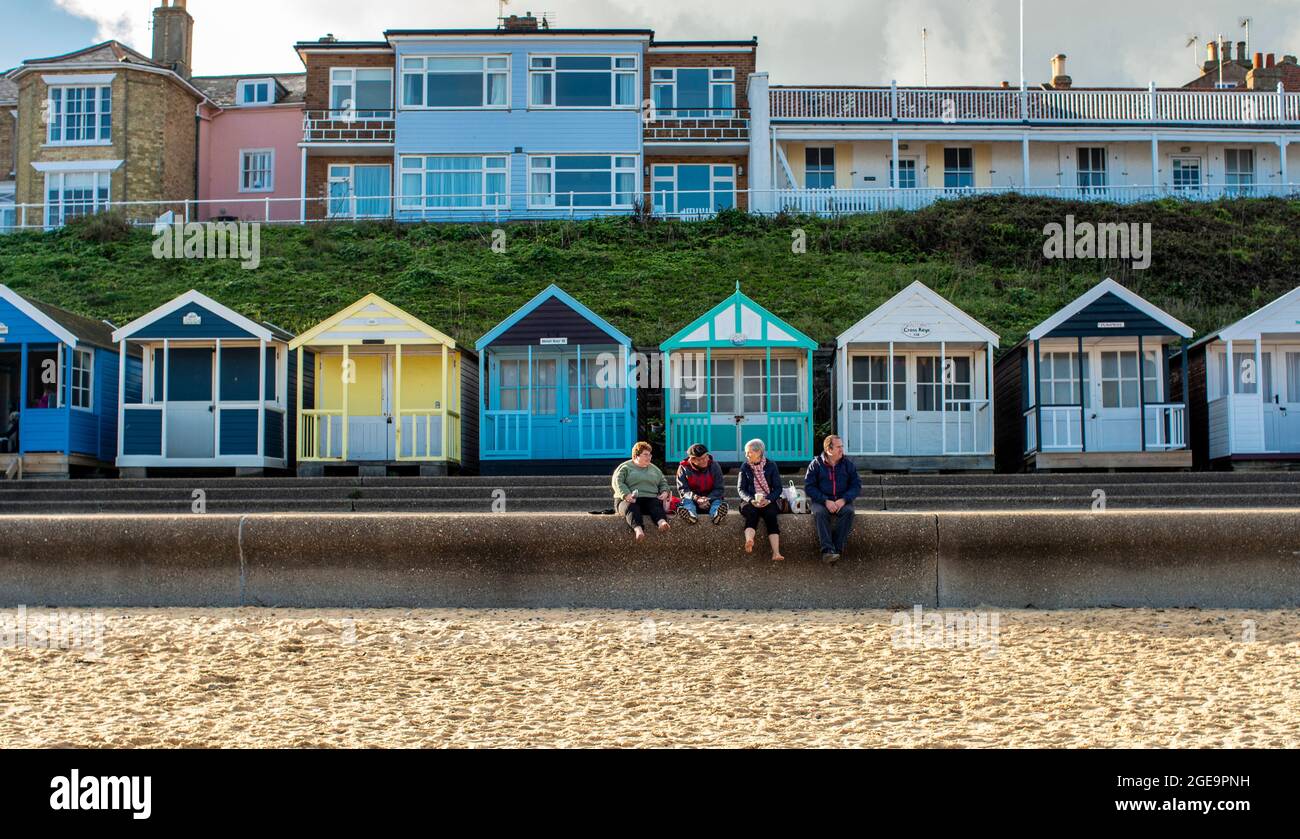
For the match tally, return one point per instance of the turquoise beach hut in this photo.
(758, 384)
(556, 392)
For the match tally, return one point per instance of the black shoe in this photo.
(830, 559)
(720, 513)
(683, 513)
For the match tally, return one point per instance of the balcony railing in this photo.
(688, 125)
(955, 105)
(348, 127)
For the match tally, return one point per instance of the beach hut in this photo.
(380, 390)
(912, 386)
(1253, 417)
(557, 394)
(217, 391)
(739, 372)
(59, 375)
(1090, 388)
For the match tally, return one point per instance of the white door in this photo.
(191, 416)
(942, 420)
(370, 428)
(1115, 421)
(1286, 399)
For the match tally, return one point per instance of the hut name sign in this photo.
(551, 342)
(1110, 324)
(916, 330)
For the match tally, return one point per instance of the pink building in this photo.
(249, 161)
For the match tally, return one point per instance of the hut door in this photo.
(370, 434)
(1115, 425)
(942, 421)
(548, 430)
(1286, 399)
(191, 417)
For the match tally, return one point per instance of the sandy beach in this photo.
(465, 678)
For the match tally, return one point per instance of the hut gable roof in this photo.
(553, 312)
(1282, 315)
(227, 321)
(1119, 297)
(738, 322)
(917, 305)
(371, 318)
(69, 327)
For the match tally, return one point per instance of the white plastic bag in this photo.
(796, 498)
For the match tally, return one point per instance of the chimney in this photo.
(1265, 74)
(515, 23)
(328, 38)
(1241, 54)
(1060, 81)
(173, 36)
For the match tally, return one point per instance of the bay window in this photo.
(366, 94)
(473, 81)
(582, 180)
(582, 81)
(72, 194)
(455, 182)
(359, 191)
(80, 115)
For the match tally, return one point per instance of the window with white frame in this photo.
(694, 91)
(957, 382)
(366, 93)
(463, 81)
(906, 172)
(871, 382)
(1092, 168)
(1239, 169)
(1187, 173)
(257, 170)
(8, 218)
(1060, 379)
(254, 92)
(693, 188)
(819, 167)
(582, 180)
(582, 81)
(72, 194)
(1243, 369)
(83, 376)
(1119, 378)
(453, 181)
(359, 191)
(80, 115)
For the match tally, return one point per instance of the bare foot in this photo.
(749, 546)
(663, 524)
(777, 558)
(639, 535)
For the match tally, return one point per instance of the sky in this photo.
(1108, 42)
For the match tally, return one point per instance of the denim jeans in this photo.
(832, 541)
(689, 504)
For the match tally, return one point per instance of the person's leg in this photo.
(654, 508)
(773, 525)
(822, 519)
(631, 513)
(718, 510)
(750, 514)
(843, 526)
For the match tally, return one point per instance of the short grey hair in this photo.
(756, 444)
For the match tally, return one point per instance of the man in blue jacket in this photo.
(832, 483)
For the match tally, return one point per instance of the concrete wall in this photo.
(894, 560)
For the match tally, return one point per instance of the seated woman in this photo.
(760, 490)
(641, 490)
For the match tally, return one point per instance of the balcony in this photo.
(698, 125)
(360, 127)
(999, 106)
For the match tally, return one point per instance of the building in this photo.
(249, 134)
(8, 150)
(1091, 387)
(523, 121)
(106, 125)
(833, 149)
(216, 391)
(1251, 418)
(739, 372)
(1221, 71)
(912, 386)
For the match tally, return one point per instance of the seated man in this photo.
(832, 483)
(699, 481)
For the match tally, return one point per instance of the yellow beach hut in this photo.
(380, 390)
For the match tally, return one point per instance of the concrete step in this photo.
(1113, 502)
(1086, 490)
(309, 492)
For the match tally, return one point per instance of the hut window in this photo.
(1243, 361)
(724, 386)
(958, 389)
(512, 394)
(1060, 379)
(42, 379)
(544, 386)
(594, 396)
(83, 376)
(785, 385)
(871, 382)
(1119, 379)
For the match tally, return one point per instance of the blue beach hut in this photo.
(214, 391)
(557, 396)
(59, 375)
